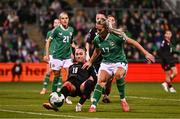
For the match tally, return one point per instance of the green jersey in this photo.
(52, 44)
(63, 39)
(112, 48)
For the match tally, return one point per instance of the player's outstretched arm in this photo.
(147, 55)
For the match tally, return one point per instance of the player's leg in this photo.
(86, 88)
(57, 80)
(103, 76)
(167, 82)
(56, 65)
(67, 63)
(119, 74)
(46, 80)
(173, 74)
(67, 89)
(168, 67)
(106, 91)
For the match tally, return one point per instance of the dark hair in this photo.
(83, 48)
(111, 16)
(102, 12)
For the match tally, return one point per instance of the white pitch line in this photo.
(20, 105)
(149, 98)
(53, 115)
(35, 113)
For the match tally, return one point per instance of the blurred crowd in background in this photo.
(143, 20)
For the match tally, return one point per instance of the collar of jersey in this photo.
(64, 28)
(107, 36)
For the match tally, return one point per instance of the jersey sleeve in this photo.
(95, 42)
(123, 37)
(72, 36)
(120, 39)
(90, 36)
(54, 33)
(48, 35)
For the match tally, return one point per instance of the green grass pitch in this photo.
(146, 100)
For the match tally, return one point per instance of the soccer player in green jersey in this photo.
(114, 61)
(62, 51)
(107, 89)
(49, 70)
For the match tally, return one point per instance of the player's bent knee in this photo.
(88, 88)
(87, 84)
(102, 84)
(69, 86)
(119, 76)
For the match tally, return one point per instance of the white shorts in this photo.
(111, 68)
(56, 64)
(50, 58)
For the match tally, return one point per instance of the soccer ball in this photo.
(55, 100)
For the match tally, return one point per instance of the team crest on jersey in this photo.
(60, 34)
(112, 44)
(70, 33)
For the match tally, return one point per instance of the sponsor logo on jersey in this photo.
(112, 44)
(70, 33)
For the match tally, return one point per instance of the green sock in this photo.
(97, 94)
(60, 83)
(121, 87)
(55, 83)
(46, 81)
(103, 91)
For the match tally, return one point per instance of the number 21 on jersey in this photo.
(66, 39)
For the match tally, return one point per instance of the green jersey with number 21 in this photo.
(63, 39)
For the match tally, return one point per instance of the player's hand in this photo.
(46, 58)
(150, 58)
(87, 65)
(108, 24)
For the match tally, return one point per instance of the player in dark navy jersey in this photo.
(80, 81)
(167, 62)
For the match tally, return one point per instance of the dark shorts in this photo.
(77, 84)
(96, 66)
(167, 64)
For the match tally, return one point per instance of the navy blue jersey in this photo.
(77, 73)
(91, 35)
(165, 51)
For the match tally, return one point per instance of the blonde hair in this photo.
(63, 13)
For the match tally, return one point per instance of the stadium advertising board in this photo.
(34, 72)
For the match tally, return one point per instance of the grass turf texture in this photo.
(146, 100)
